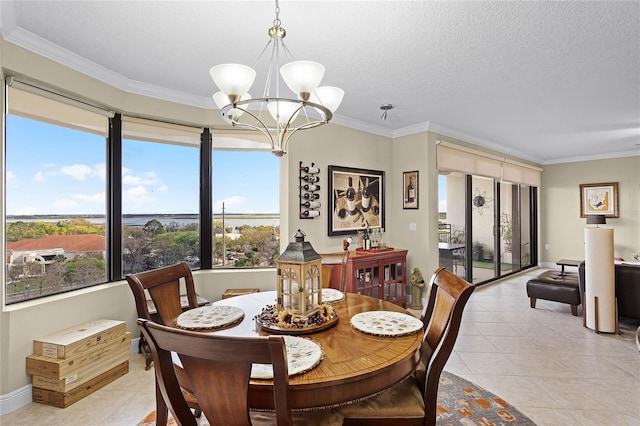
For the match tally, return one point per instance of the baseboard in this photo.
(134, 345)
(16, 399)
(23, 396)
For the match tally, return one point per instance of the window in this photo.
(246, 200)
(55, 197)
(89, 199)
(160, 195)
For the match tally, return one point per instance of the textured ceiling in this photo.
(546, 81)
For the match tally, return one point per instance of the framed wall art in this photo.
(599, 198)
(410, 190)
(356, 199)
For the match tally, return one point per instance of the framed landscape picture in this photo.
(599, 198)
(356, 199)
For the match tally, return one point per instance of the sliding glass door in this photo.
(451, 228)
(486, 228)
(483, 229)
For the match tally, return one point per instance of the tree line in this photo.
(144, 247)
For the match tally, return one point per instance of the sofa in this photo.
(627, 281)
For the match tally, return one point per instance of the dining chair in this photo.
(459, 255)
(163, 285)
(345, 259)
(444, 233)
(413, 400)
(224, 362)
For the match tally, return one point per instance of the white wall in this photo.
(331, 145)
(562, 228)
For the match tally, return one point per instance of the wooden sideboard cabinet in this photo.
(381, 274)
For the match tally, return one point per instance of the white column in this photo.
(599, 279)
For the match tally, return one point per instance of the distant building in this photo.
(45, 250)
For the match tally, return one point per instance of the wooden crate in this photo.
(65, 399)
(78, 339)
(230, 292)
(88, 364)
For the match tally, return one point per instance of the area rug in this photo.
(460, 403)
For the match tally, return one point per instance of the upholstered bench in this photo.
(551, 285)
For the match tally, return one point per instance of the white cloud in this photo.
(442, 206)
(148, 178)
(12, 180)
(230, 204)
(99, 198)
(77, 171)
(150, 175)
(161, 188)
(64, 203)
(138, 196)
(131, 180)
(137, 191)
(101, 171)
(39, 177)
(25, 210)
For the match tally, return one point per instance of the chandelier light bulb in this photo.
(302, 77)
(222, 100)
(282, 111)
(233, 79)
(329, 96)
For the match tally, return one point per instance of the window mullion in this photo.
(114, 199)
(206, 201)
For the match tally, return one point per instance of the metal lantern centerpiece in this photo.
(299, 308)
(299, 283)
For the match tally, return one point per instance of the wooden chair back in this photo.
(343, 271)
(217, 362)
(163, 285)
(441, 318)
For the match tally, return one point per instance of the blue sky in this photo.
(442, 193)
(57, 170)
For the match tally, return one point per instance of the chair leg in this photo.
(162, 411)
(143, 348)
(532, 301)
(574, 310)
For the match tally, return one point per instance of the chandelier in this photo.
(308, 105)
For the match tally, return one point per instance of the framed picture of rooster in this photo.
(599, 198)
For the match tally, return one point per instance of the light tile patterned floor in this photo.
(544, 362)
(540, 360)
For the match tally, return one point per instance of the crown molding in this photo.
(361, 125)
(610, 155)
(443, 130)
(410, 130)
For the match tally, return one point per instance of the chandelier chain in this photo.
(276, 22)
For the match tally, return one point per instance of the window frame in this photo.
(114, 185)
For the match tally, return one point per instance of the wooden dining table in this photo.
(355, 365)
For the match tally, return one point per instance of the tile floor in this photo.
(541, 360)
(544, 362)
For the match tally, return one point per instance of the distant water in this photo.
(140, 220)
